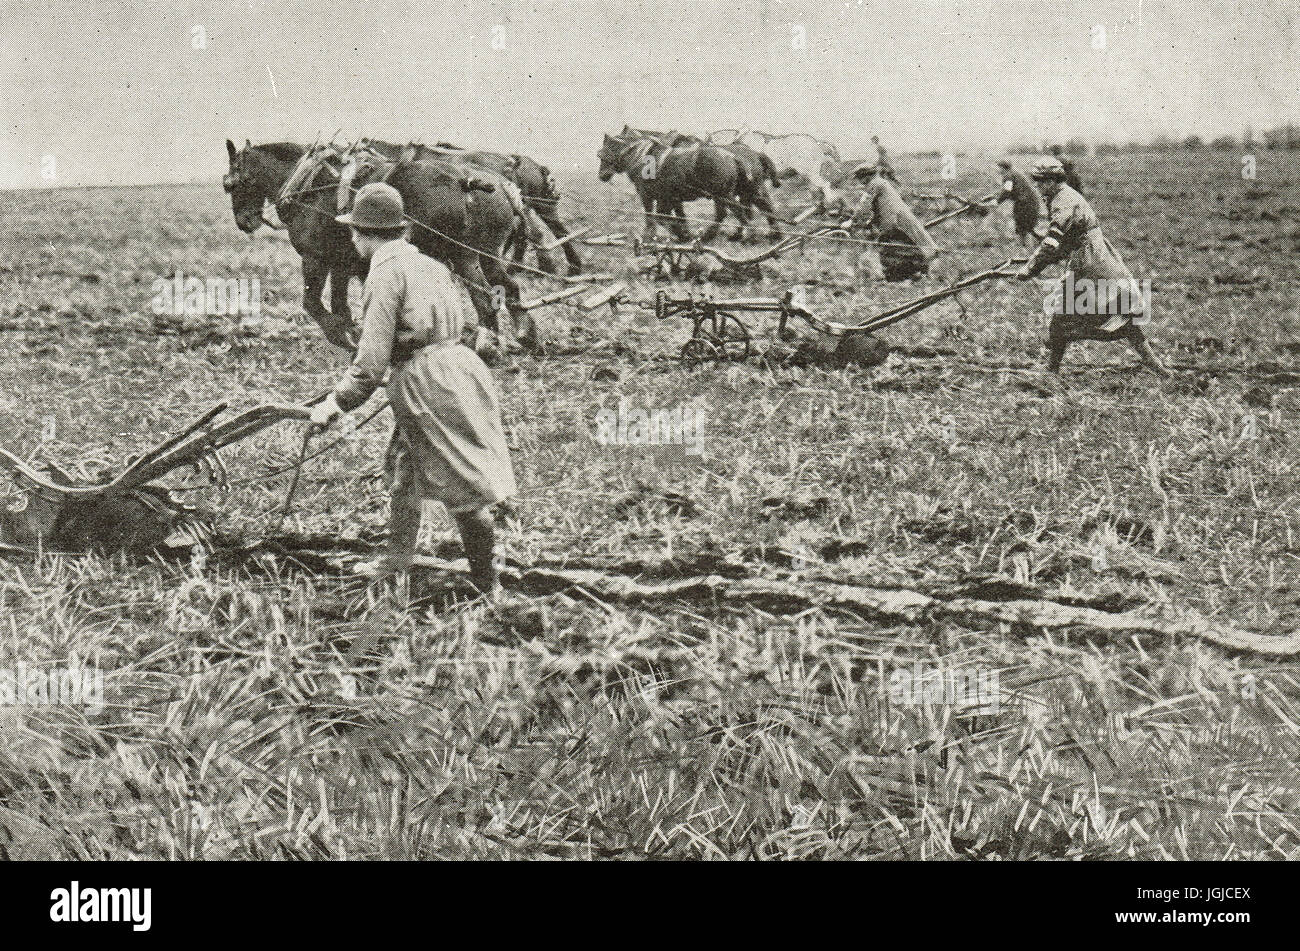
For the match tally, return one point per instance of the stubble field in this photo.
(697, 656)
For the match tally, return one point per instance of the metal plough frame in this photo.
(194, 444)
(717, 333)
(671, 257)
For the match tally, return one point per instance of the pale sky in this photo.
(118, 93)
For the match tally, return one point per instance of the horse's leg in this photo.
(340, 278)
(764, 202)
(742, 211)
(465, 264)
(651, 220)
(719, 215)
(666, 213)
(533, 226)
(525, 327)
(314, 272)
(516, 245)
(681, 229)
(549, 215)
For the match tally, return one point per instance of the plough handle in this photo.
(908, 308)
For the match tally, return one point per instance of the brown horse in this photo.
(536, 189)
(665, 176)
(257, 174)
(759, 166)
(465, 229)
(759, 171)
(460, 214)
(535, 182)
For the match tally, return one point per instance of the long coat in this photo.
(1097, 287)
(1026, 204)
(447, 444)
(890, 213)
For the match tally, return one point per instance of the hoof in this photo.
(534, 345)
(487, 346)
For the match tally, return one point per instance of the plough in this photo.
(674, 257)
(126, 509)
(964, 205)
(718, 333)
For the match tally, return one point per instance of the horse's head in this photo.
(364, 164)
(246, 185)
(611, 150)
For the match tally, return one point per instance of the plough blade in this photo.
(602, 297)
(561, 242)
(554, 297)
(127, 511)
(186, 448)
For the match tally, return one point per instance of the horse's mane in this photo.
(284, 151)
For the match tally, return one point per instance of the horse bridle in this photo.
(232, 180)
(620, 160)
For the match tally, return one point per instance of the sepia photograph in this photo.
(688, 430)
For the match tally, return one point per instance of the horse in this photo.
(758, 169)
(666, 176)
(760, 166)
(527, 230)
(536, 183)
(794, 154)
(463, 227)
(257, 175)
(464, 220)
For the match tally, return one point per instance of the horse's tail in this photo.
(516, 197)
(744, 183)
(769, 169)
(523, 229)
(549, 187)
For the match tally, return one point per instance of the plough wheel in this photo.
(733, 338)
(698, 350)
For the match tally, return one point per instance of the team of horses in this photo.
(466, 210)
(470, 209)
(670, 169)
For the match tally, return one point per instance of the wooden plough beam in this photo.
(966, 204)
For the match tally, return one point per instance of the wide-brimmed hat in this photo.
(1047, 167)
(1003, 163)
(378, 206)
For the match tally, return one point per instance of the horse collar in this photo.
(626, 158)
